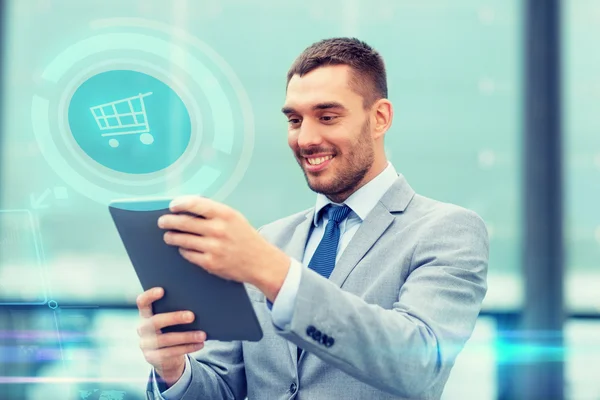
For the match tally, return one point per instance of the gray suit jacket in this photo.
(388, 324)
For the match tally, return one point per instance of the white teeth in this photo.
(319, 160)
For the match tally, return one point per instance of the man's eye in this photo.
(294, 121)
(328, 118)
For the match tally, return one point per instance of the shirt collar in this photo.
(364, 199)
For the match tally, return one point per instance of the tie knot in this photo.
(338, 213)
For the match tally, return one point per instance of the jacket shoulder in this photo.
(283, 224)
(427, 209)
(429, 218)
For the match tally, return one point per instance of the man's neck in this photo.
(372, 174)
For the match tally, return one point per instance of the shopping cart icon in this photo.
(124, 117)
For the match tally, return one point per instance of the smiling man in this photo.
(370, 293)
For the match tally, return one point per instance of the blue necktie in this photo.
(323, 260)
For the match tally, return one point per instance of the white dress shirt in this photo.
(361, 202)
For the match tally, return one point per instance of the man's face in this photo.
(329, 131)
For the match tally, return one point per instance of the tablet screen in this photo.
(222, 307)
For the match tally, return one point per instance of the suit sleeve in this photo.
(178, 388)
(406, 349)
(283, 308)
(216, 372)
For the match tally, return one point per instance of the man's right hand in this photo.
(166, 352)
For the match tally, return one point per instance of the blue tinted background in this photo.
(454, 75)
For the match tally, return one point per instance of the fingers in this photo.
(144, 301)
(197, 243)
(171, 339)
(184, 240)
(150, 323)
(165, 351)
(160, 321)
(157, 357)
(182, 223)
(198, 258)
(198, 205)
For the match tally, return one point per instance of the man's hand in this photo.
(166, 352)
(224, 243)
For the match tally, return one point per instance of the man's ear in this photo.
(383, 113)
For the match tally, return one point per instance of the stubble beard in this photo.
(349, 176)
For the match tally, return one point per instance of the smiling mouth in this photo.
(316, 161)
(317, 164)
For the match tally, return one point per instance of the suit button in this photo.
(324, 339)
(311, 329)
(329, 342)
(317, 335)
(293, 387)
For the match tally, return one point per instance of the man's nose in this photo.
(309, 135)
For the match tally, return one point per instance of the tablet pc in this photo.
(221, 307)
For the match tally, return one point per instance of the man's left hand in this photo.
(224, 243)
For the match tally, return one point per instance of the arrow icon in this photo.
(60, 193)
(36, 203)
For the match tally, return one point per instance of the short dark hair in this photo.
(368, 69)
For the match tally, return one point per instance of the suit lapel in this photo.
(297, 244)
(369, 232)
(365, 237)
(396, 199)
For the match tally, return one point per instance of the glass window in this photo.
(455, 135)
(582, 341)
(453, 77)
(456, 87)
(98, 352)
(474, 374)
(581, 21)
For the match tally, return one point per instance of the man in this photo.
(410, 272)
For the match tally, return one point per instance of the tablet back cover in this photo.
(222, 307)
